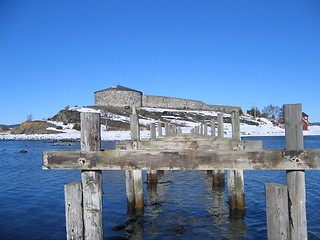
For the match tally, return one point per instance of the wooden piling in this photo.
(201, 128)
(213, 128)
(236, 177)
(205, 129)
(277, 212)
(166, 129)
(152, 131)
(196, 130)
(91, 180)
(220, 125)
(218, 179)
(138, 192)
(296, 179)
(218, 176)
(152, 179)
(159, 128)
(136, 175)
(73, 208)
(152, 176)
(131, 203)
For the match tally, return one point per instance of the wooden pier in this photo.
(176, 151)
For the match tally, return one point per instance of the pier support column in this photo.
(152, 175)
(213, 128)
(152, 131)
(220, 126)
(134, 188)
(296, 179)
(91, 180)
(159, 128)
(218, 176)
(236, 177)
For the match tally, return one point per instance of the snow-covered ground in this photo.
(265, 128)
(69, 133)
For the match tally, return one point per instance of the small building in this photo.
(305, 121)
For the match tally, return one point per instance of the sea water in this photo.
(183, 207)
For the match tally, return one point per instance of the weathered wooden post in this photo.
(213, 128)
(152, 131)
(218, 177)
(277, 212)
(152, 176)
(91, 180)
(220, 125)
(166, 129)
(135, 175)
(235, 177)
(196, 130)
(74, 212)
(159, 128)
(205, 129)
(296, 179)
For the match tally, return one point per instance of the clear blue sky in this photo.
(243, 53)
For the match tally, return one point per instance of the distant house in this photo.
(305, 121)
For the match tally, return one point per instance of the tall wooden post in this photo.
(136, 175)
(213, 128)
(91, 180)
(152, 176)
(296, 179)
(277, 211)
(166, 129)
(159, 128)
(74, 212)
(235, 177)
(220, 125)
(152, 131)
(218, 177)
(205, 129)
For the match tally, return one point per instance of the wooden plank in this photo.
(277, 212)
(296, 179)
(91, 180)
(184, 142)
(73, 208)
(183, 160)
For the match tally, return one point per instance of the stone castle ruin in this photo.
(120, 96)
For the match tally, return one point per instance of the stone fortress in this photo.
(120, 96)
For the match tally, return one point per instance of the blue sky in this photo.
(243, 53)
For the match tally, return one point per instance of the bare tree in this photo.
(29, 117)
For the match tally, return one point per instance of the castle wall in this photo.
(180, 103)
(118, 98)
(170, 102)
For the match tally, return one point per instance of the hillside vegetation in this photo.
(116, 118)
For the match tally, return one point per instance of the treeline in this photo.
(271, 112)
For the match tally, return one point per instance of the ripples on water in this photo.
(183, 207)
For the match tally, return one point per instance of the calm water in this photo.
(184, 206)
